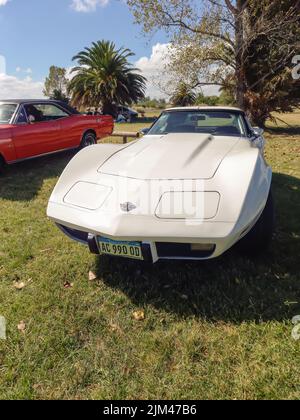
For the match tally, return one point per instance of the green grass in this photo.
(215, 329)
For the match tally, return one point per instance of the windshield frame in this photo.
(10, 122)
(239, 113)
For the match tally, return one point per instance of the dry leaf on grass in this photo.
(22, 326)
(92, 276)
(139, 315)
(45, 250)
(127, 371)
(115, 328)
(19, 285)
(68, 285)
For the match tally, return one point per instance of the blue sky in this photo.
(34, 34)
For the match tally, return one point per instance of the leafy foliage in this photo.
(207, 100)
(104, 77)
(56, 84)
(183, 95)
(268, 60)
(243, 46)
(148, 102)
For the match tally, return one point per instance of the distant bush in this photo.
(152, 103)
(207, 100)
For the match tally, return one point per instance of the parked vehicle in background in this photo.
(32, 128)
(128, 113)
(120, 119)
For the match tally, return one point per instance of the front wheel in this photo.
(2, 165)
(260, 236)
(89, 139)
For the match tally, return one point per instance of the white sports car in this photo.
(194, 185)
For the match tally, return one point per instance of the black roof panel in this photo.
(23, 101)
(34, 101)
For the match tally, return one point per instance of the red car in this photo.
(34, 128)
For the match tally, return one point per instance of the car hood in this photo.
(172, 156)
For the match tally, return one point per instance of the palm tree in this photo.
(183, 95)
(105, 77)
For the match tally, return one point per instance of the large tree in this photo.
(243, 46)
(56, 84)
(104, 77)
(183, 95)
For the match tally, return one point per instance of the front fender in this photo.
(83, 167)
(7, 148)
(244, 181)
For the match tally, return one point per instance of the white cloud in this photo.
(27, 71)
(153, 68)
(3, 2)
(12, 87)
(87, 5)
(2, 65)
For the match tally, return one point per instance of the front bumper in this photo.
(160, 239)
(152, 251)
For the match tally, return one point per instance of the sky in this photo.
(35, 34)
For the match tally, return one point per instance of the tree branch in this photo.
(230, 6)
(182, 24)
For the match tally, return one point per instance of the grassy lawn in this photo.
(217, 329)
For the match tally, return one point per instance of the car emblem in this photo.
(127, 207)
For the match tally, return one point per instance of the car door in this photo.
(41, 131)
(55, 112)
(72, 129)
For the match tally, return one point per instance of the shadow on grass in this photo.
(22, 181)
(230, 288)
(284, 130)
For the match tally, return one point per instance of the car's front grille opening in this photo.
(173, 250)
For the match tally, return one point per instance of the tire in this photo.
(89, 139)
(2, 165)
(259, 238)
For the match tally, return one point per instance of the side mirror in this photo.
(31, 119)
(258, 132)
(145, 131)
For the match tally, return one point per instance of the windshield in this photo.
(6, 112)
(218, 123)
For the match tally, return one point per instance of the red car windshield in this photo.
(6, 112)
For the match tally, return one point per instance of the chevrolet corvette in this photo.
(34, 128)
(193, 186)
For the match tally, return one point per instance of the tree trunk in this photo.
(259, 121)
(239, 55)
(109, 109)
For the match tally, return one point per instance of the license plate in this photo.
(120, 248)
